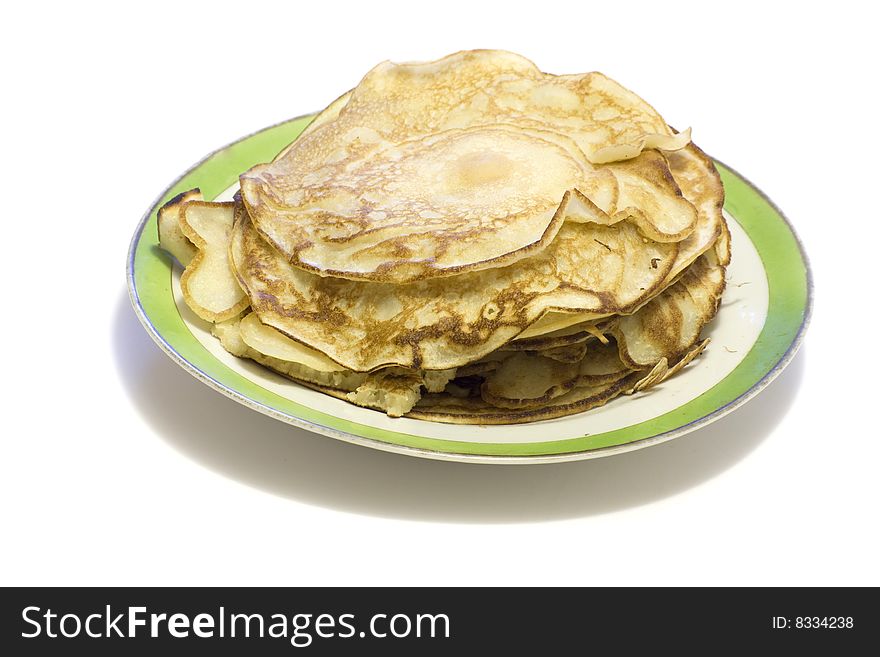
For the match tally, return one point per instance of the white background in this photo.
(119, 468)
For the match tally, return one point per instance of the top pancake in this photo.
(430, 170)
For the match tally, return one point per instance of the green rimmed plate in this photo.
(763, 316)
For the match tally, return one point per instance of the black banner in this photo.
(113, 621)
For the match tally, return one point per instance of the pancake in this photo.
(571, 335)
(670, 325)
(450, 409)
(434, 325)
(569, 353)
(696, 176)
(529, 380)
(271, 342)
(438, 205)
(171, 237)
(421, 172)
(209, 286)
(472, 409)
(229, 334)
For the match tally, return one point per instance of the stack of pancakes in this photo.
(468, 240)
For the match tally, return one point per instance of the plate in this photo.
(760, 324)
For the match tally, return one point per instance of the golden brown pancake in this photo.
(436, 169)
(445, 323)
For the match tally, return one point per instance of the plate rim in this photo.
(440, 455)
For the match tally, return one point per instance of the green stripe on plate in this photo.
(787, 274)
